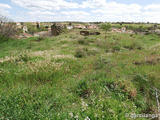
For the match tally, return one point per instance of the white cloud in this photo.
(4, 6)
(77, 13)
(93, 3)
(89, 10)
(37, 13)
(45, 4)
(4, 9)
(155, 7)
(113, 11)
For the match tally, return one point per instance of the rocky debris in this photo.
(69, 27)
(122, 30)
(87, 33)
(147, 32)
(24, 35)
(43, 34)
(25, 29)
(19, 25)
(38, 25)
(157, 31)
(56, 29)
(92, 27)
(84, 33)
(94, 33)
(79, 27)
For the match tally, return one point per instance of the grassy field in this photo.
(72, 77)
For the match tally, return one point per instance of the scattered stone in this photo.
(87, 33)
(19, 25)
(79, 27)
(24, 35)
(92, 27)
(25, 29)
(94, 33)
(84, 33)
(38, 25)
(69, 27)
(122, 30)
(43, 34)
(56, 29)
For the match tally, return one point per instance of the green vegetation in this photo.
(137, 27)
(33, 28)
(75, 77)
(106, 27)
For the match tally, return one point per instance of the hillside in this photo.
(74, 77)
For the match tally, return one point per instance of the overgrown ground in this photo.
(72, 77)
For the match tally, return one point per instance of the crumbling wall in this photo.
(56, 29)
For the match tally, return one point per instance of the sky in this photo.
(81, 10)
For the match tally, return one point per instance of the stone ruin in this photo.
(79, 26)
(38, 25)
(84, 33)
(69, 27)
(25, 29)
(92, 26)
(56, 29)
(87, 33)
(122, 30)
(94, 33)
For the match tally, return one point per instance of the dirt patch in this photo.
(43, 34)
(24, 35)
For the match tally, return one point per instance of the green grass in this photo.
(71, 76)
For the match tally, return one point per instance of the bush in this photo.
(101, 63)
(82, 89)
(40, 39)
(83, 42)
(134, 45)
(7, 28)
(80, 53)
(116, 48)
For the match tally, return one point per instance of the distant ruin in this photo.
(56, 29)
(87, 33)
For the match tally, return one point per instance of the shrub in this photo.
(101, 63)
(82, 89)
(40, 38)
(134, 45)
(116, 48)
(106, 27)
(92, 52)
(23, 57)
(83, 42)
(31, 29)
(80, 53)
(7, 28)
(141, 81)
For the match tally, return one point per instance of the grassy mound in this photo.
(76, 77)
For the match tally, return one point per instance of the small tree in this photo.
(106, 27)
(7, 28)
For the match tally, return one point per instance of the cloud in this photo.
(77, 13)
(88, 10)
(4, 9)
(4, 6)
(45, 4)
(37, 13)
(113, 11)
